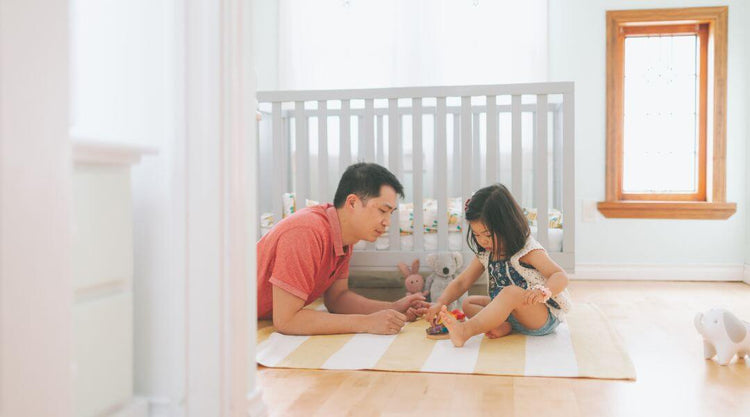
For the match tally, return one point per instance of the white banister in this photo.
(279, 159)
(455, 180)
(568, 173)
(302, 155)
(441, 175)
(395, 149)
(466, 155)
(416, 125)
(476, 152)
(408, 92)
(557, 154)
(493, 138)
(345, 140)
(322, 180)
(540, 171)
(454, 154)
(516, 150)
(381, 147)
(369, 130)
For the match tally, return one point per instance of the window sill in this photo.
(666, 210)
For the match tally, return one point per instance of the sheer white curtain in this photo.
(385, 43)
(349, 44)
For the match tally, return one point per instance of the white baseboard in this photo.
(164, 407)
(606, 272)
(746, 277)
(256, 407)
(137, 407)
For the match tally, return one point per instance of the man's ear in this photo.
(352, 200)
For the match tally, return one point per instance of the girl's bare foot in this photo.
(500, 331)
(456, 329)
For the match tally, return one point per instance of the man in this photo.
(307, 255)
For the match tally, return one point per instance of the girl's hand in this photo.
(432, 312)
(533, 296)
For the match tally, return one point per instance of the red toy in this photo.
(438, 331)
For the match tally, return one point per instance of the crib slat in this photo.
(466, 156)
(476, 159)
(418, 230)
(455, 180)
(540, 171)
(368, 125)
(381, 146)
(323, 152)
(516, 153)
(302, 153)
(279, 161)
(568, 174)
(345, 140)
(492, 140)
(367, 142)
(395, 149)
(557, 157)
(441, 175)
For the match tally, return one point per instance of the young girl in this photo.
(526, 288)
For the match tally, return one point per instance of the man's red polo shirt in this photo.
(303, 255)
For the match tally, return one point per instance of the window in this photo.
(666, 114)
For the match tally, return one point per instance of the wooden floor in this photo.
(655, 320)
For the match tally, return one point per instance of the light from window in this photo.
(660, 132)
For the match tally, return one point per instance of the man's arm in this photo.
(289, 317)
(340, 299)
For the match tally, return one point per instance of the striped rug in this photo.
(584, 346)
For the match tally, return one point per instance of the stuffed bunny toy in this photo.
(724, 335)
(413, 281)
(444, 267)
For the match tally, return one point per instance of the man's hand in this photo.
(412, 305)
(384, 322)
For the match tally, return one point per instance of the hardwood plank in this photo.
(654, 319)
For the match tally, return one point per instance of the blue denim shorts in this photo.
(549, 326)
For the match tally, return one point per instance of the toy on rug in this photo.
(445, 267)
(413, 281)
(724, 335)
(438, 331)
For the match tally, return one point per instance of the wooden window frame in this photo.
(709, 201)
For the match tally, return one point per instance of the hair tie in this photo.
(545, 291)
(466, 204)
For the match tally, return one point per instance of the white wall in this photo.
(178, 76)
(386, 43)
(266, 43)
(747, 194)
(126, 82)
(577, 47)
(35, 215)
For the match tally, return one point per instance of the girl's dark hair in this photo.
(364, 180)
(495, 207)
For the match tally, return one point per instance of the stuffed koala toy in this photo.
(724, 335)
(444, 267)
(413, 281)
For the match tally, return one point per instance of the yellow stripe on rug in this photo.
(408, 351)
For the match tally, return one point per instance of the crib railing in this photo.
(473, 113)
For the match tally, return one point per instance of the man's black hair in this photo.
(364, 180)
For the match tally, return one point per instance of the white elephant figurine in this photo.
(724, 335)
